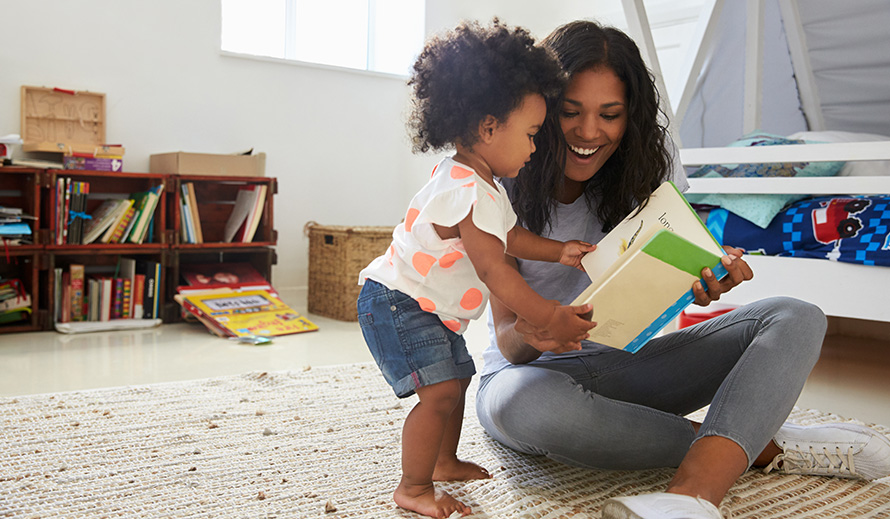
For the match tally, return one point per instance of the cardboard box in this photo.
(65, 121)
(208, 164)
(92, 163)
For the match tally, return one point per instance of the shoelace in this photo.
(798, 462)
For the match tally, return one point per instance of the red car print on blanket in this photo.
(834, 220)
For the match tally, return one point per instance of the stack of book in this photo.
(132, 291)
(125, 220)
(13, 230)
(15, 302)
(234, 300)
(189, 219)
(107, 157)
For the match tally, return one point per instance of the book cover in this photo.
(256, 214)
(122, 225)
(642, 271)
(249, 313)
(221, 274)
(195, 216)
(121, 213)
(149, 203)
(100, 219)
(93, 298)
(243, 205)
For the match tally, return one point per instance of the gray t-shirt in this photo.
(560, 282)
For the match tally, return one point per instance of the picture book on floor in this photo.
(245, 313)
(643, 270)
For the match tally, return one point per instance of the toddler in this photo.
(480, 91)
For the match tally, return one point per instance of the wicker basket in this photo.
(336, 256)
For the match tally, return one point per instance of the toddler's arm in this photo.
(485, 251)
(522, 243)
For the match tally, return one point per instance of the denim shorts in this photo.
(411, 346)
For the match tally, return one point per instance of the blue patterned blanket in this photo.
(851, 229)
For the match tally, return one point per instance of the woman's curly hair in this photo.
(471, 72)
(641, 162)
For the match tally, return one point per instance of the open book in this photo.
(643, 270)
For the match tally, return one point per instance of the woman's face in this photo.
(593, 117)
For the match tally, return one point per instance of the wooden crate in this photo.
(64, 121)
(336, 256)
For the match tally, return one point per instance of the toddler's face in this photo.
(513, 140)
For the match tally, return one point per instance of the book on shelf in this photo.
(15, 315)
(120, 215)
(76, 278)
(245, 313)
(147, 203)
(122, 226)
(150, 272)
(13, 295)
(244, 202)
(642, 272)
(256, 214)
(107, 213)
(190, 210)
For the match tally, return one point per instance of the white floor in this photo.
(852, 378)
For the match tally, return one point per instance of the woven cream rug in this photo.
(318, 443)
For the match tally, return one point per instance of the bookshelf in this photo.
(36, 264)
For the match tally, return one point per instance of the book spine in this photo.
(65, 316)
(77, 280)
(669, 314)
(121, 226)
(117, 307)
(127, 299)
(106, 296)
(138, 296)
(65, 212)
(57, 294)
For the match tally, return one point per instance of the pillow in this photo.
(760, 209)
(862, 168)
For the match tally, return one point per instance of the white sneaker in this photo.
(842, 449)
(660, 505)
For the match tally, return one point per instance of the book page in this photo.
(666, 209)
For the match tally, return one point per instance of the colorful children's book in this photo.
(247, 313)
(642, 271)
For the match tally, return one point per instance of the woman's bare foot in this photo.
(454, 469)
(428, 500)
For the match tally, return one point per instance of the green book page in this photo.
(680, 252)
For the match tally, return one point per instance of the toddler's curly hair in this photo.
(470, 72)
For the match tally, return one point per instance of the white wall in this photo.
(335, 139)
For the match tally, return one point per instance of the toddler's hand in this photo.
(573, 251)
(568, 325)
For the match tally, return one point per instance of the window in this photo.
(377, 35)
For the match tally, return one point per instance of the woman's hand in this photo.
(737, 271)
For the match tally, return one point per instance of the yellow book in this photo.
(642, 271)
(248, 313)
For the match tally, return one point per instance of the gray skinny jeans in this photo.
(622, 411)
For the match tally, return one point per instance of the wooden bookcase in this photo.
(34, 190)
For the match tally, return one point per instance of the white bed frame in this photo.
(839, 289)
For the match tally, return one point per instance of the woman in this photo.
(600, 153)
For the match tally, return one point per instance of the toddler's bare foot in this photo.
(458, 470)
(428, 500)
